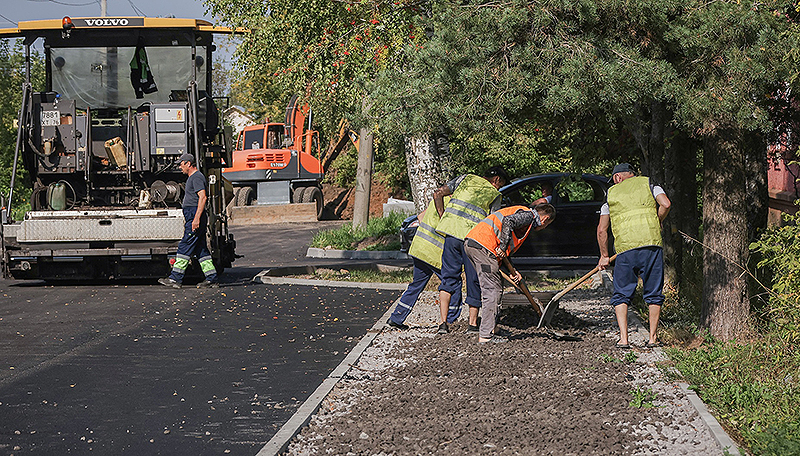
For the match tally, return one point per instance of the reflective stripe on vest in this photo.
(470, 204)
(487, 232)
(427, 243)
(634, 214)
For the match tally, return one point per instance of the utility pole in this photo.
(363, 179)
(103, 8)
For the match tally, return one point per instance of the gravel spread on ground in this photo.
(414, 392)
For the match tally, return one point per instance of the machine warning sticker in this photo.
(170, 115)
(51, 118)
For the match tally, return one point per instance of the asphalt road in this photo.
(137, 368)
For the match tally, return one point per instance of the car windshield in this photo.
(101, 77)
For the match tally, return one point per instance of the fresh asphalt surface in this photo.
(137, 368)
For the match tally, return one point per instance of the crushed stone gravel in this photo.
(415, 392)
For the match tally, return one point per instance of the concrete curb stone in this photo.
(314, 252)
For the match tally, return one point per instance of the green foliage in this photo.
(347, 236)
(779, 252)
(343, 170)
(12, 75)
(629, 358)
(754, 389)
(325, 51)
(642, 397)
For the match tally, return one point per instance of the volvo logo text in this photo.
(106, 22)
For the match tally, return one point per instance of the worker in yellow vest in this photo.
(472, 199)
(634, 210)
(494, 238)
(426, 254)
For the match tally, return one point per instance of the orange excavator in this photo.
(278, 163)
(281, 163)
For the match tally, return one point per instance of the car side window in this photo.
(574, 189)
(513, 198)
(523, 196)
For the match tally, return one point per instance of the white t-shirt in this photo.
(657, 190)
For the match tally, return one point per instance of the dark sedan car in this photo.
(569, 241)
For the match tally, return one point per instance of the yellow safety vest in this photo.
(634, 214)
(427, 244)
(469, 204)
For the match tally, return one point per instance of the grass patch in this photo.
(381, 233)
(753, 387)
(361, 275)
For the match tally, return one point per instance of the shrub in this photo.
(779, 252)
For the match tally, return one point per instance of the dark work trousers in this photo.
(644, 262)
(422, 275)
(192, 244)
(488, 269)
(453, 259)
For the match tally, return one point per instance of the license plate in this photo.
(51, 118)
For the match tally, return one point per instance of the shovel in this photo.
(521, 286)
(551, 306)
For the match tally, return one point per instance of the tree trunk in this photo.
(680, 183)
(757, 194)
(725, 308)
(428, 163)
(363, 179)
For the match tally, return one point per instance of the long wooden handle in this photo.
(581, 280)
(521, 286)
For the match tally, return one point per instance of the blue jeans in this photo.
(192, 244)
(644, 262)
(422, 275)
(453, 258)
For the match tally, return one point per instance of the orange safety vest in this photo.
(487, 232)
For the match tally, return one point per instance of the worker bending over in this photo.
(426, 253)
(473, 198)
(634, 211)
(494, 238)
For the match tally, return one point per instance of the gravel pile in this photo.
(413, 392)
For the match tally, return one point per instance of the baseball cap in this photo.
(497, 171)
(186, 158)
(622, 168)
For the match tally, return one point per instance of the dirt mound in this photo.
(339, 201)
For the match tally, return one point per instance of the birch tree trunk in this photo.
(428, 164)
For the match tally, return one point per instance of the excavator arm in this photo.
(339, 143)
